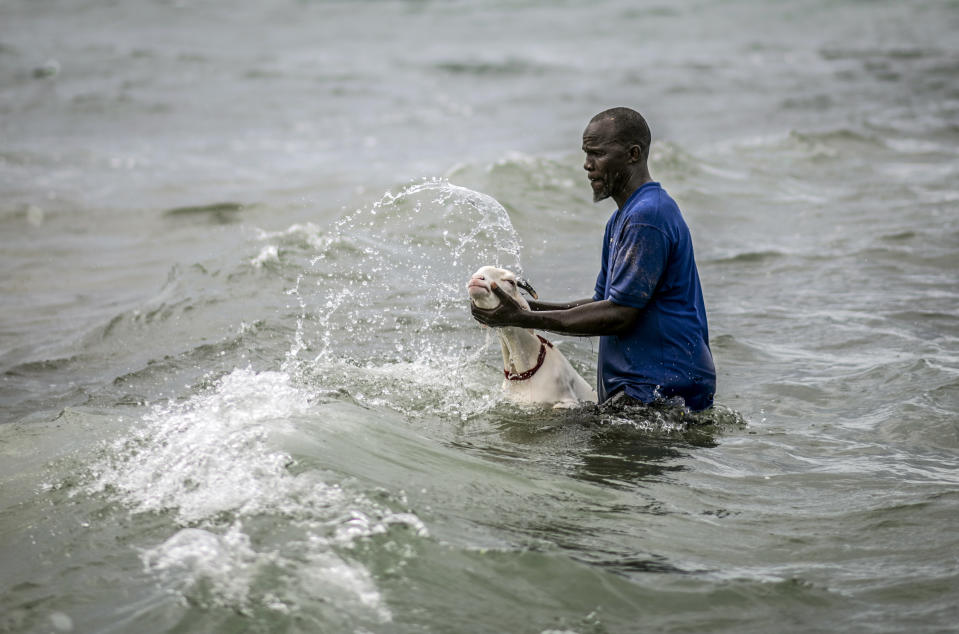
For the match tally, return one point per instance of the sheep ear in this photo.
(526, 286)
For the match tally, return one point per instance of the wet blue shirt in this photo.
(648, 263)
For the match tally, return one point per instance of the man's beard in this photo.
(606, 191)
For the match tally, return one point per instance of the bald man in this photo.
(647, 307)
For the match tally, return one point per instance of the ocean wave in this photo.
(216, 462)
(220, 213)
(859, 53)
(748, 257)
(496, 67)
(830, 144)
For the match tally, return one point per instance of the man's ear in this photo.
(635, 153)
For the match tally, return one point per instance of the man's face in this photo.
(606, 159)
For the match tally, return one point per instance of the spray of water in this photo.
(383, 311)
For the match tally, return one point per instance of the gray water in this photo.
(241, 390)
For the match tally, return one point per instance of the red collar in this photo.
(522, 376)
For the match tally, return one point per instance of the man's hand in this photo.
(508, 313)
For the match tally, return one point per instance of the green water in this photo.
(241, 390)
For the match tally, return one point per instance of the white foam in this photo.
(226, 562)
(361, 524)
(210, 454)
(328, 577)
(269, 253)
(434, 385)
(311, 233)
(61, 622)
(222, 570)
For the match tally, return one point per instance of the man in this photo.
(648, 305)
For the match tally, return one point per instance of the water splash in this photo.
(215, 463)
(383, 311)
(207, 455)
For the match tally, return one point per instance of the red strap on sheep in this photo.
(522, 376)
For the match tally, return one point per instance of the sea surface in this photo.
(241, 390)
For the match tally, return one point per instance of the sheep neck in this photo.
(520, 349)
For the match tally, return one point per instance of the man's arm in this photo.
(538, 305)
(584, 318)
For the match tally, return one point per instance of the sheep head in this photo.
(481, 294)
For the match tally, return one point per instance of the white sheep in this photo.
(536, 372)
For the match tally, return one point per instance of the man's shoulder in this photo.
(652, 205)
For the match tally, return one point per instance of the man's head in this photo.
(616, 143)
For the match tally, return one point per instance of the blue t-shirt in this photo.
(648, 263)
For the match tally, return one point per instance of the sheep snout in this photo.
(481, 292)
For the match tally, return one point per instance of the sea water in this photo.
(242, 392)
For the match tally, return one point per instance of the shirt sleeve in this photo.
(599, 291)
(600, 284)
(638, 262)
